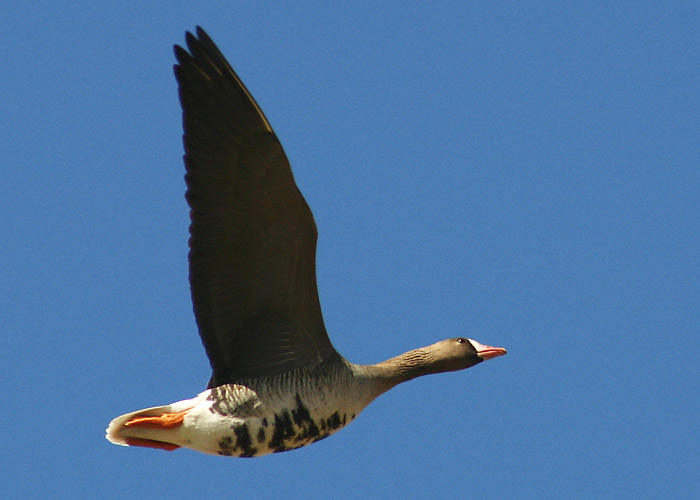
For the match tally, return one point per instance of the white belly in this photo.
(233, 420)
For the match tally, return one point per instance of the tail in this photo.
(155, 427)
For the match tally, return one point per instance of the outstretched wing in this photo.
(252, 235)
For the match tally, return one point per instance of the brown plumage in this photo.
(253, 282)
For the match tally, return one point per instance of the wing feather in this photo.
(252, 235)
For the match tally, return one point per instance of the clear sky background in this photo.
(525, 175)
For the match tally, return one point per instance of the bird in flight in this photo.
(277, 383)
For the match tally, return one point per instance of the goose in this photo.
(277, 383)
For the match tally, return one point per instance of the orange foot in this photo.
(164, 421)
(151, 443)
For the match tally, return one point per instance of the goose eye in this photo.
(461, 340)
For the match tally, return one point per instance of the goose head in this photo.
(456, 354)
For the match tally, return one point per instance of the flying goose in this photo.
(277, 382)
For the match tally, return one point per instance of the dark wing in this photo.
(252, 235)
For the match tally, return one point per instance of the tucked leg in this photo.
(164, 421)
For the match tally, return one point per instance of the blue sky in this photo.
(525, 175)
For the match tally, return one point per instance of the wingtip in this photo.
(180, 54)
(190, 40)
